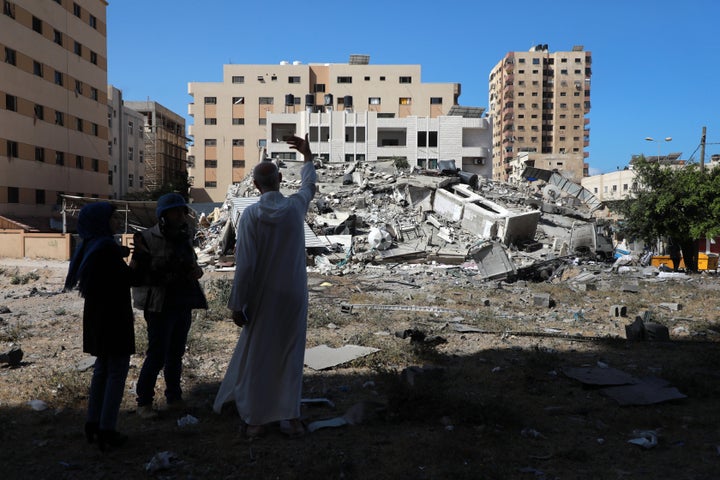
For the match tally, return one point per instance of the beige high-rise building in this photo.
(230, 117)
(538, 103)
(53, 113)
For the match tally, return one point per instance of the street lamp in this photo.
(650, 139)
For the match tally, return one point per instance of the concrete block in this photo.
(541, 299)
(618, 311)
(671, 306)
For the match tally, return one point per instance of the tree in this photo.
(677, 202)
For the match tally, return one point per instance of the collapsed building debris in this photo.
(377, 213)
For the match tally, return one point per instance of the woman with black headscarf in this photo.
(104, 279)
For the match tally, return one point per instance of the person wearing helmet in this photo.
(165, 259)
(269, 299)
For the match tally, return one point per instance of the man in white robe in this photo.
(269, 299)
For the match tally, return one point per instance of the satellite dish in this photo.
(551, 193)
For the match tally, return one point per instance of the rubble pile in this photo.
(374, 213)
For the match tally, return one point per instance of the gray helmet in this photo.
(168, 201)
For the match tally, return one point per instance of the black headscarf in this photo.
(95, 233)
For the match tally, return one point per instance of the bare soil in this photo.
(493, 404)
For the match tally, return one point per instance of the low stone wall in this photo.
(20, 244)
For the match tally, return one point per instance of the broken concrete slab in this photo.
(322, 356)
(599, 376)
(492, 261)
(646, 391)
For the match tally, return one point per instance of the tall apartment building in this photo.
(126, 147)
(538, 102)
(230, 117)
(165, 145)
(53, 114)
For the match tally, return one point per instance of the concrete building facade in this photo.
(165, 145)
(230, 117)
(126, 147)
(345, 136)
(539, 102)
(53, 114)
(569, 165)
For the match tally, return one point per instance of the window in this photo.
(13, 195)
(58, 78)
(210, 121)
(76, 10)
(37, 25)
(238, 164)
(79, 162)
(293, 79)
(131, 128)
(344, 79)
(93, 58)
(367, 79)
(210, 184)
(59, 158)
(59, 118)
(12, 149)
(210, 100)
(79, 124)
(319, 88)
(210, 142)
(131, 154)
(77, 48)
(37, 68)
(210, 163)
(92, 21)
(563, 71)
(536, 61)
(141, 181)
(10, 56)
(78, 87)
(238, 142)
(11, 102)
(39, 112)
(58, 37)
(40, 154)
(238, 121)
(262, 143)
(265, 100)
(238, 100)
(94, 129)
(95, 165)
(131, 179)
(578, 72)
(238, 79)
(141, 156)
(94, 93)
(405, 101)
(9, 9)
(405, 79)
(435, 100)
(374, 101)
(382, 78)
(262, 121)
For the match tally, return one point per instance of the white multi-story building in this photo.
(463, 136)
(126, 146)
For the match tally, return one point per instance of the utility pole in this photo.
(702, 150)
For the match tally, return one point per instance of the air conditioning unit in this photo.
(479, 161)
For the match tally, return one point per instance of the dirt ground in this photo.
(493, 403)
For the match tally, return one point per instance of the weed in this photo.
(15, 332)
(217, 293)
(66, 388)
(22, 279)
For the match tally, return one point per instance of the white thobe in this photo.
(264, 376)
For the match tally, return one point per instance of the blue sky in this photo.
(656, 64)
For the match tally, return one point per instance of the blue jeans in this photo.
(167, 333)
(106, 390)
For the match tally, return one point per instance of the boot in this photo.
(110, 438)
(91, 431)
